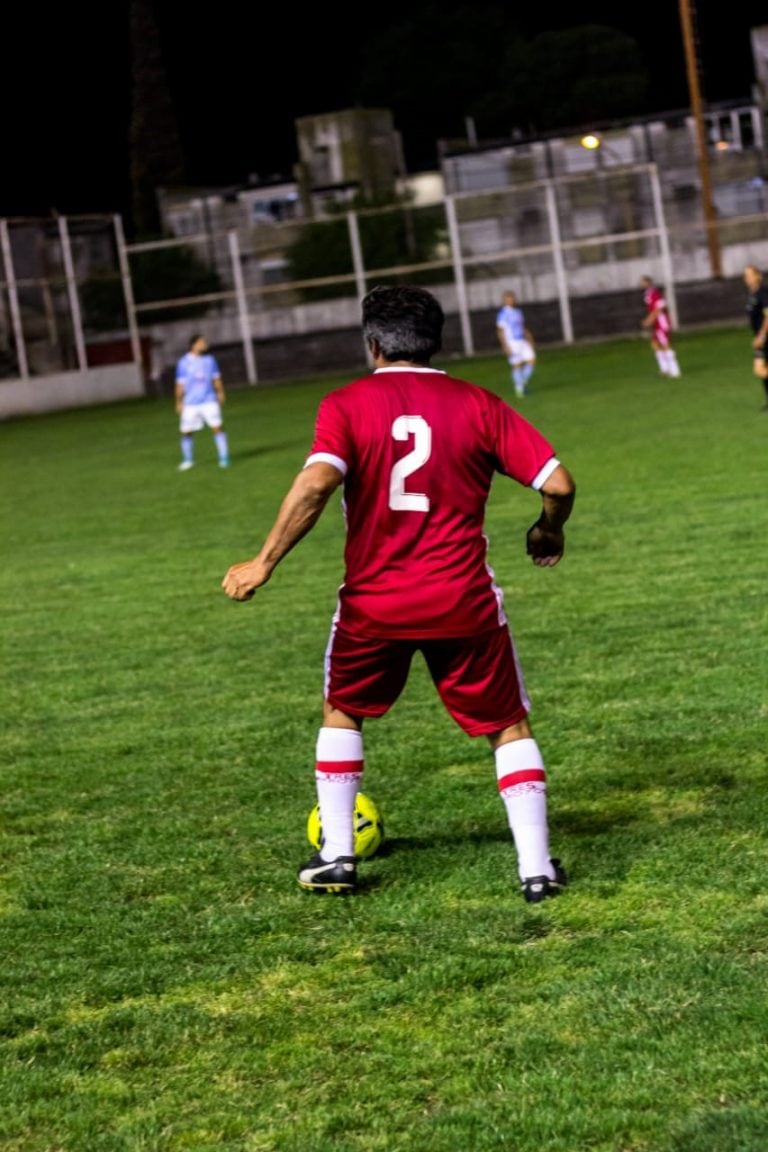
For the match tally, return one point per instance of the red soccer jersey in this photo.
(654, 299)
(419, 450)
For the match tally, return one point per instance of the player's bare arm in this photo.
(299, 512)
(545, 541)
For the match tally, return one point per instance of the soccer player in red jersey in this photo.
(416, 452)
(657, 319)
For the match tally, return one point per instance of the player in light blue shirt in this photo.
(517, 341)
(199, 399)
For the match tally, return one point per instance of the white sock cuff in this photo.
(516, 756)
(339, 744)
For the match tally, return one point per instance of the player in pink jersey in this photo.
(657, 321)
(416, 452)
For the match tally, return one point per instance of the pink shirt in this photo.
(653, 299)
(418, 451)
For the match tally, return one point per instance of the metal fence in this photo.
(554, 241)
(549, 240)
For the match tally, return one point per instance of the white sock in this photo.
(523, 788)
(338, 772)
(660, 362)
(672, 365)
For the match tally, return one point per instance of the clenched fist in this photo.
(242, 580)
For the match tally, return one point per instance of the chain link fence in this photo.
(282, 296)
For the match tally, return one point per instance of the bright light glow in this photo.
(590, 141)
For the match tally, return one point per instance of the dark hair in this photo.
(405, 321)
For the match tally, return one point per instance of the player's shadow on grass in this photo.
(265, 450)
(582, 836)
(431, 841)
(445, 842)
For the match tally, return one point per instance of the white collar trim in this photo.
(408, 368)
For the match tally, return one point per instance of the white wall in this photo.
(102, 385)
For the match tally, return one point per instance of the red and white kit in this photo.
(418, 451)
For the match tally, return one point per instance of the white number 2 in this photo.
(402, 428)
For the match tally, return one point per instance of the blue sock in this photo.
(222, 447)
(187, 444)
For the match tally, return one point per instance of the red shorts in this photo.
(477, 677)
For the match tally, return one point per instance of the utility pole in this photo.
(692, 70)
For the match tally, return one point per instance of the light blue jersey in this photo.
(196, 375)
(511, 320)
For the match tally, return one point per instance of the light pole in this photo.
(691, 65)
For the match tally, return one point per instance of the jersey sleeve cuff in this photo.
(542, 476)
(327, 458)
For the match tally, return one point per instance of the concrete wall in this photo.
(295, 353)
(61, 390)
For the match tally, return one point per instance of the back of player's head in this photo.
(405, 321)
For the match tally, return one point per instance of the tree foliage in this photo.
(158, 274)
(482, 65)
(397, 235)
(572, 77)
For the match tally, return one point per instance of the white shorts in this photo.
(521, 353)
(195, 416)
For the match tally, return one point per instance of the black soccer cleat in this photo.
(538, 888)
(318, 875)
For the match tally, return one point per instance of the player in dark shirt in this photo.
(757, 313)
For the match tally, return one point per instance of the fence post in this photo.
(74, 300)
(357, 253)
(458, 272)
(666, 259)
(130, 304)
(13, 300)
(566, 321)
(353, 227)
(242, 307)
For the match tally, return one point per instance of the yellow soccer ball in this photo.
(369, 827)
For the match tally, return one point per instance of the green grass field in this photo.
(167, 986)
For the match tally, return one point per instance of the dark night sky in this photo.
(240, 75)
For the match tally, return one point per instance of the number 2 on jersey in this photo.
(402, 428)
